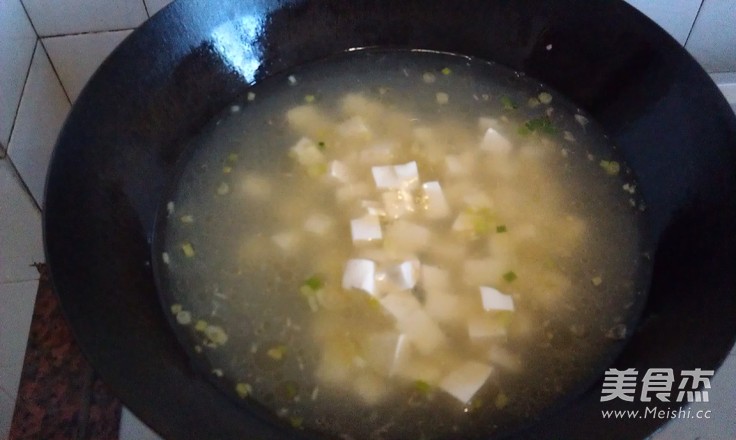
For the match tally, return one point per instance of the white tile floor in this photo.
(39, 78)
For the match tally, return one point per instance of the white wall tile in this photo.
(156, 5)
(20, 230)
(76, 57)
(674, 16)
(77, 16)
(17, 41)
(42, 111)
(726, 82)
(133, 429)
(16, 311)
(713, 39)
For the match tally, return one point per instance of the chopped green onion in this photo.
(321, 145)
(227, 170)
(501, 228)
(176, 308)
(314, 282)
(243, 390)
(422, 386)
(277, 352)
(309, 99)
(510, 276)
(188, 250)
(545, 98)
(200, 325)
(232, 157)
(507, 103)
(611, 167)
(187, 218)
(446, 71)
(296, 422)
(597, 281)
(291, 390)
(541, 125)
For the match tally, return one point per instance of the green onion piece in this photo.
(507, 103)
(321, 145)
(291, 390)
(540, 125)
(309, 98)
(446, 71)
(232, 157)
(296, 422)
(314, 282)
(422, 386)
(611, 167)
(501, 228)
(277, 352)
(510, 276)
(243, 390)
(188, 250)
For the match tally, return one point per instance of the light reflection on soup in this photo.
(403, 245)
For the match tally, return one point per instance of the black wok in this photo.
(122, 139)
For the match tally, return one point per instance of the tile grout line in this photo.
(24, 187)
(56, 73)
(145, 6)
(22, 92)
(692, 26)
(74, 34)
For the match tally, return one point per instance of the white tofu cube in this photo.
(398, 203)
(463, 382)
(355, 128)
(500, 356)
(402, 354)
(435, 279)
(339, 171)
(360, 274)
(495, 300)
(373, 208)
(381, 350)
(436, 204)
(484, 123)
(494, 142)
(377, 154)
(401, 276)
(442, 306)
(485, 327)
(404, 236)
(287, 241)
(318, 224)
(307, 153)
(464, 222)
(423, 332)
(454, 166)
(366, 228)
(404, 176)
(483, 271)
(401, 305)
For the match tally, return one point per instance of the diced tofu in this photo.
(454, 165)
(436, 204)
(493, 299)
(500, 356)
(483, 271)
(355, 128)
(355, 104)
(287, 241)
(373, 208)
(442, 306)
(401, 305)
(307, 153)
(380, 351)
(464, 222)
(404, 176)
(435, 279)
(463, 382)
(360, 274)
(420, 369)
(366, 228)
(307, 119)
(352, 191)
(401, 276)
(485, 327)
(339, 171)
(397, 203)
(484, 123)
(404, 236)
(401, 355)
(423, 332)
(256, 187)
(494, 142)
(335, 366)
(377, 154)
(318, 224)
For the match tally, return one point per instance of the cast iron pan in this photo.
(122, 139)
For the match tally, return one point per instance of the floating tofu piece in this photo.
(355, 128)
(373, 208)
(397, 203)
(339, 171)
(463, 382)
(401, 305)
(494, 142)
(442, 306)
(352, 191)
(484, 123)
(447, 251)
(435, 279)
(377, 154)
(500, 356)
(401, 354)
(454, 165)
(483, 271)
(307, 119)
(404, 176)
(464, 222)
(436, 204)
(404, 236)
(360, 274)
(485, 327)
(421, 330)
(401, 276)
(256, 187)
(495, 300)
(318, 224)
(287, 241)
(381, 349)
(357, 104)
(306, 152)
(366, 228)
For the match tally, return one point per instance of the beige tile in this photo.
(20, 229)
(43, 108)
(17, 41)
(76, 57)
(62, 17)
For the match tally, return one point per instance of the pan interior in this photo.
(237, 294)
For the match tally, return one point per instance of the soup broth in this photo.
(402, 245)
